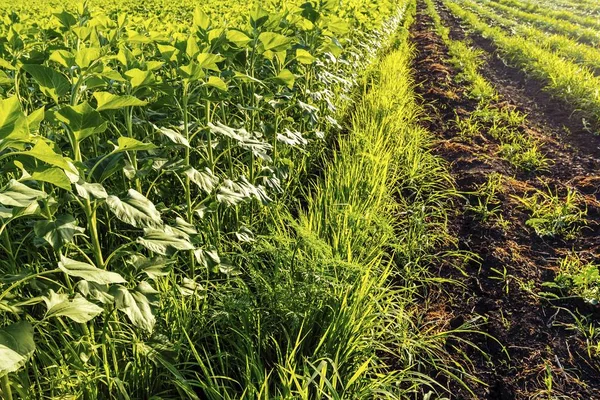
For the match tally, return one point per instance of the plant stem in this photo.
(188, 191)
(5, 386)
(90, 213)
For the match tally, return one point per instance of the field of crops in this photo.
(346, 199)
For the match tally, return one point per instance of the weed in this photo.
(554, 216)
(488, 204)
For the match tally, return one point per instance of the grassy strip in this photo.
(549, 24)
(581, 53)
(381, 209)
(465, 58)
(581, 7)
(331, 306)
(503, 124)
(564, 79)
(536, 8)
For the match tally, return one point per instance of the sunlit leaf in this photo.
(58, 232)
(88, 272)
(16, 346)
(13, 123)
(135, 305)
(135, 209)
(81, 119)
(161, 241)
(17, 194)
(108, 101)
(52, 83)
(78, 309)
(130, 144)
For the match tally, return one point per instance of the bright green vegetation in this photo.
(581, 53)
(503, 124)
(175, 225)
(537, 8)
(564, 79)
(553, 215)
(548, 23)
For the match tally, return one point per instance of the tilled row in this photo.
(528, 345)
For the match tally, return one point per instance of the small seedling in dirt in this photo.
(552, 216)
(468, 127)
(524, 154)
(505, 321)
(587, 327)
(576, 277)
(502, 276)
(488, 204)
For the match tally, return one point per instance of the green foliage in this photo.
(159, 155)
(578, 278)
(552, 215)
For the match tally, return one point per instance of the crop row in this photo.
(151, 174)
(536, 8)
(549, 24)
(581, 53)
(502, 124)
(564, 79)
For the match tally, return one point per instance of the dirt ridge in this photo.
(525, 325)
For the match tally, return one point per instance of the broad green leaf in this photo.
(81, 119)
(16, 346)
(217, 83)
(82, 32)
(139, 78)
(205, 179)
(169, 53)
(6, 65)
(153, 65)
(161, 241)
(66, 19)
(43, 152)
(17, 194)
(5, 80)
(90, 191)
(108, 101)
(79, 309)
(55, 176)
(135, 209)
(86, 56)
(107, 166)
(16, 212)
(59, 232)
(134, 37)
(173, 135)
(209, 61)
(52, 83)
(286, 78)
(274, 41)
(201, 20)
(13, 123)
(35, 118)
(192, 72)
(258, 17)
(135, 305)
(238, 38)
(63, 57)
(126, 57)
(304, 57)
(125, 143)
(88, 272)
(95, 291)
(191, 47)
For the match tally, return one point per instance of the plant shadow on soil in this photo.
(527, 328)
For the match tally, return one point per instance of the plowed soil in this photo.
(526, 340)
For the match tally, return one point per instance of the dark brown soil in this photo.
(525, 338)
